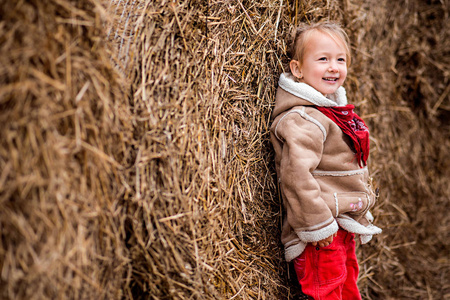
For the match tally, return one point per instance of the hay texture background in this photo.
(135, 161)
(64, 138)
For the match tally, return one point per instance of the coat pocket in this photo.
(353, 203)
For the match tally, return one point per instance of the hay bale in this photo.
(404, 81)
(62, 153)
(157, 181)
(198, 229)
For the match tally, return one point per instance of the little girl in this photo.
(321, 149)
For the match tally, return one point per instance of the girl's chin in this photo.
(326, 88)
(326, 92)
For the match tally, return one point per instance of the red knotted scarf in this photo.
(353, 126)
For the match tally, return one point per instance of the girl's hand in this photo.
(325, 242)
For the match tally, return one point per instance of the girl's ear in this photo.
(295, 69)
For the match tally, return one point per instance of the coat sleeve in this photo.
(302, 145)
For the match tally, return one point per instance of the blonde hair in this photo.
(303, 32)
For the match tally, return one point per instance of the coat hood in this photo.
(291, 93)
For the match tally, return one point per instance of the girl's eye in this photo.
(323, 58)
(341, 59)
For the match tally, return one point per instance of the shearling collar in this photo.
(307, 92)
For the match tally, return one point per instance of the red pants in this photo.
(330, 272)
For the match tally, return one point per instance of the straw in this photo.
(135, 159)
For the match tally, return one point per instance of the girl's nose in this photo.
(332, 68)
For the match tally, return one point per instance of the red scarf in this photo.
(353, 126)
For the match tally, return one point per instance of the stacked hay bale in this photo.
(404, 82)
(63, 140)
(157, 181)
(203, 212)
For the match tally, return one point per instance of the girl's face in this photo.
(324, 65)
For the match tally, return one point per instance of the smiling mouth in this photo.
(332, 79)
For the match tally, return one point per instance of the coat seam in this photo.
(339, 173)
(305, 116)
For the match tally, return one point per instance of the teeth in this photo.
(331, 79)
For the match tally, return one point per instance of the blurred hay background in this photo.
(65, 134)
(135, 160)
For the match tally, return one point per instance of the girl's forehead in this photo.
(317, 40)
